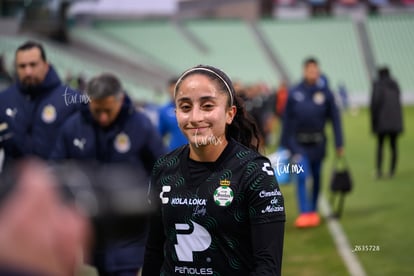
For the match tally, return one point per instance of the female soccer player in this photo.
(219, 207)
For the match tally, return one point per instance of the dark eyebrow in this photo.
(208, 98)
(183, 99)
(30, 63)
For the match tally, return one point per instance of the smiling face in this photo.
(202, 111)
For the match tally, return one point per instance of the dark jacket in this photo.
(131, 140)
(31, 119)
(385, 107)
(308, 109)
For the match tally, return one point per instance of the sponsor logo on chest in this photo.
(188, 201)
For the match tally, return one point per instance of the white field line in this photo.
(342, 244)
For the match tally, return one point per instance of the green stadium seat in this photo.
(332, 41)
(66, 62)
(230, 45)
(392, 39)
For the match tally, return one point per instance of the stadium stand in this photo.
(60, 59)
(67, 62)
(110, 46)
(159, 40)
(393, 39)
(332, 41)
(165, 47)
(229, 44)
(232, 47)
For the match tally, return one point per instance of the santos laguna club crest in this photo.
(223, 195)
(122, 143)
(49, 114)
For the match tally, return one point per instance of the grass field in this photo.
(377, 212)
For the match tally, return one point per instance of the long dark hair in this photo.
(243, 127)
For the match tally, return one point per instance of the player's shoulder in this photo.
(170, 159)
(253, 168)
(242, 154)
(8, 90)
(7, 95)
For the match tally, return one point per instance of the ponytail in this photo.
(244, 129)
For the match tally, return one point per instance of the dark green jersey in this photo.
(207, 210)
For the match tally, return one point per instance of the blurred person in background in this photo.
(282, 93)
(34, 108)
(259, 102)
(309, 107)
(167, 124)
(343, 96)
(111, 131)
(323, 81)
(40, 234)
(386, 117)
(5, 78)
(219, 207)
(78, 82)
(279, 101)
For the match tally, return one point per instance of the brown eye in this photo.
(185, 108)
(208, 106)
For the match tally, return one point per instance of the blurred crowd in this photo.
(326, 7)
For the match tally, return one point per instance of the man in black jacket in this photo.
(386, 116)
(110, 131)
(34, 107)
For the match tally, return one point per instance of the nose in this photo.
(196, 114)
(103, 119)
(27, 70)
